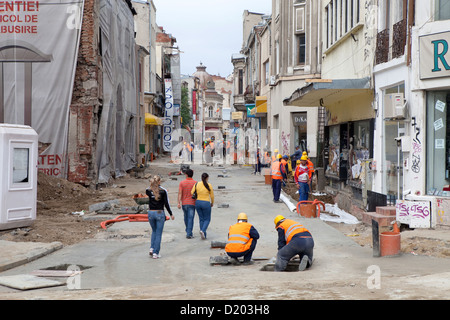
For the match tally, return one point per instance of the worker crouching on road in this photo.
(242, 238)
(293, 239)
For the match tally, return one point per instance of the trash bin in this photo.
(18, 176)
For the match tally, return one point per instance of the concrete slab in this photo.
(28, 282)
(18, 253)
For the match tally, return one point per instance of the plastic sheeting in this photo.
(116, 144)
(338, 215)
(38, 52)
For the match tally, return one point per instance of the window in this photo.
(266, 72)
(341, 17)
(438, 144)
(241, 82)
(21, 158)
(211, 111)
(301, 47)
(442, 10)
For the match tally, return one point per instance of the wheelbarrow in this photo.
(310, 209)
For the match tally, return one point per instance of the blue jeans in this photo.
(157, 220)
(298, 245)
(189, 214)
(246, 254)
(204, 214)
(303, 191)
(276, 189)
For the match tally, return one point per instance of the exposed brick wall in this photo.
(86, 100)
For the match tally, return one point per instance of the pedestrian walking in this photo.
(158, 200)
(203, 203)
(242, 238)
(301, 178)
(186, 202)
(293, 239)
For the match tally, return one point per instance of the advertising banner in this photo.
(168, 116)
(38, 54)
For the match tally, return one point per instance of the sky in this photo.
(207, 31)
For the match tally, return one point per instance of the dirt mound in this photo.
(51, 188)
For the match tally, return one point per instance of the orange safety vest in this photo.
(276, 171)
(291, 228)
(239, 238)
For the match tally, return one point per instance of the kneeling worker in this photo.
(293, 239)
(242, 238)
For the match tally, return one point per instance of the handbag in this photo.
(194, 195)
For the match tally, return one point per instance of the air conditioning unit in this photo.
(395, 106)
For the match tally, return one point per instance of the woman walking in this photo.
(158, 199)
(204, 202)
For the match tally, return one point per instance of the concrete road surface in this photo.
(116, 264)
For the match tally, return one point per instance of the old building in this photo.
(296, 60)
(150, 101)
(348, 41)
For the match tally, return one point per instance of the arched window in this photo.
(211, 111)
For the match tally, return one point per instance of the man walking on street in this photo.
(278, 175)
(186, 202)
(293, 239)
(242, 238)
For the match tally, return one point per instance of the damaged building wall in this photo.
(102, 127)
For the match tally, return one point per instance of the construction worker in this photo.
(293, 239)
(301, 178)
(278, 175)
(311, 169)
(242, 238)
(275, 155)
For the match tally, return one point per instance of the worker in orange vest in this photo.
(242, 238)
(293, 239)
(278, 175)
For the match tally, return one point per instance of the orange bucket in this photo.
(390, 243)
(268, 179)
(308, 210)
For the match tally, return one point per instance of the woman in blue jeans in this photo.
(158, 199)
(204, 203)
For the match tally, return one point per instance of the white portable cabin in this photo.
(18, 176)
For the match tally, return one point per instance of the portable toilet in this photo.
(18, 176)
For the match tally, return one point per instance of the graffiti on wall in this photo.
(414, 213)
(416, 148)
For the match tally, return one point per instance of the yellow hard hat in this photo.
(278, 219)
(305, 153)
(305, 158)
(276, 150)
(242, 216)
(279, 156)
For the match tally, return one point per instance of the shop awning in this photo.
(152, 120)
(323, 92)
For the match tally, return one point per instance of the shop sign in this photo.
(435, 56)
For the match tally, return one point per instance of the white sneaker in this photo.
(150, 252)
(156, 256)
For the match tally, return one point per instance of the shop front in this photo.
(349, 127)
(427, 165)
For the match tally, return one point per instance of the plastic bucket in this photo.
(308, 210)
(390, 243)
(268, 179)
